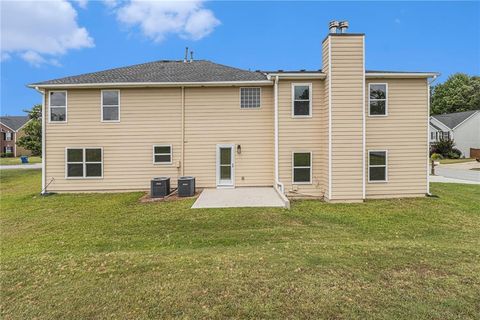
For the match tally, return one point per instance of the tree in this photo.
(459, 93)
(32, 140)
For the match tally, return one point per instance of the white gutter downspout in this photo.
(183, 132)
(42, 92)
(428, 133)
(277, 180)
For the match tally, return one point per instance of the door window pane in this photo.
(225, 156)
(225, 172)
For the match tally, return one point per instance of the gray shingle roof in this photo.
(452, 120)
(14, 122)
(163, 71)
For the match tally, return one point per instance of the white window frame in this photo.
(160, 154)
(84, 162)
(378, 166)
(310, 110)
(386, 100)
(8, 148)
(240, 98)
(50, 106)
(8, 136)
(101, 106)
(302, 167)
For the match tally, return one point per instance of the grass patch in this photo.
(12, 161)
(77, 256)
(452, 161)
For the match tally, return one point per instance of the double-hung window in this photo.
(377, 166)
(84, 163)
(302, 167)
(302, 100)
(8, 136)
(378, 104)
(162, 154)
(58, 106)
(250, 98)
(110, 105)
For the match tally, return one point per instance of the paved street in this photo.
(461, 171)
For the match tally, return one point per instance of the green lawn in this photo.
(84, 256)
(11, 161)
(451, 161)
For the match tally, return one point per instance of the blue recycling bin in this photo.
(24, 159)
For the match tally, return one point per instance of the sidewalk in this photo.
(22, 166)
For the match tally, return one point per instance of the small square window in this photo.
(162, 154)
(250, 98)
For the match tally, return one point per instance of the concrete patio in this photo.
(240, 197)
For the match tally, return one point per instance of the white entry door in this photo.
(225, 165)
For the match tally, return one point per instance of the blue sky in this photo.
(411, 36)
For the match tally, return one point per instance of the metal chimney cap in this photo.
(333, 23)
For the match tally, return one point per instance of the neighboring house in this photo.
(331, 133)
(11, 130)
(462, 127)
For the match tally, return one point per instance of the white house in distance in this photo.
(462, 127)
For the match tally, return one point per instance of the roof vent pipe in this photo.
(343, 26)
(185, 59)
(191, 56)
(333, 26)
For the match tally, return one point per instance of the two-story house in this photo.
(342, 133)
(11, 130)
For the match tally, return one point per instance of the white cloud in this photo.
(157, 19)
(41, 31)
(81, 3)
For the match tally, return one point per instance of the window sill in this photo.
(302, 183)
(83, 178)
(374, 182)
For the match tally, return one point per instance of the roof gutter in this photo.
(152, 84)
(298, 75)
(433, 75)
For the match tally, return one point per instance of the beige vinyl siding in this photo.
(347, 77)
(148, 117)
(213, 116)
(302, 135)
(404, 134)
(152, 116)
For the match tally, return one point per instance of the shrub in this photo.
(7, 155)
(436, 156)
(445, 147)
